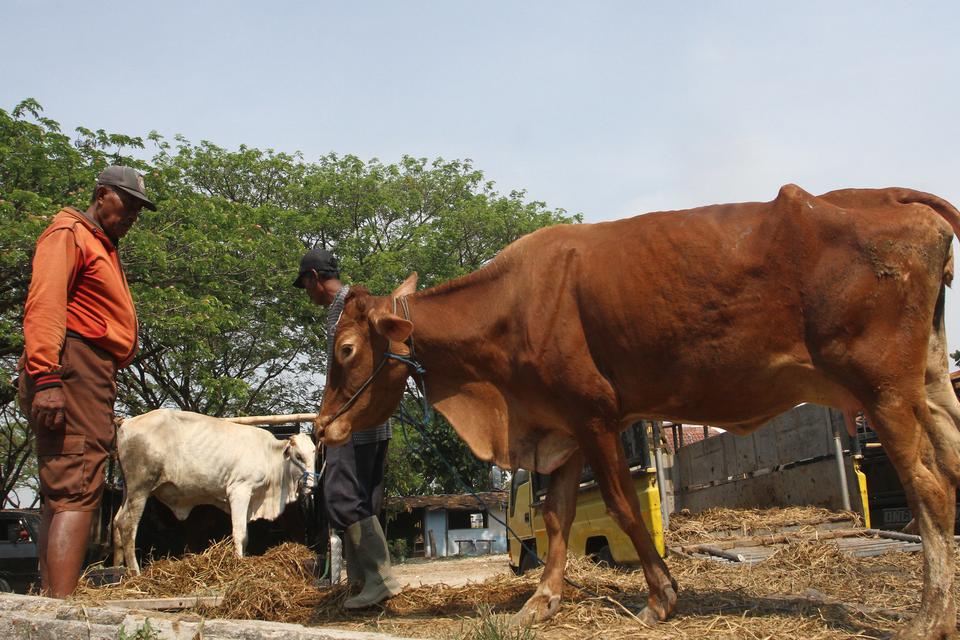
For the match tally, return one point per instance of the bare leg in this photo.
(613, 475)
(66, 548)
(558, 512)
(46, 516)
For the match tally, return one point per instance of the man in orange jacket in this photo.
(79, 329)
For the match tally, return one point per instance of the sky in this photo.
(607, 109)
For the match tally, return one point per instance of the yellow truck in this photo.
(593, 532)
(803, 457)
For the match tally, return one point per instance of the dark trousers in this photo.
(353, 481)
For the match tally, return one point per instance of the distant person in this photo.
(79, 329)
(355, 472)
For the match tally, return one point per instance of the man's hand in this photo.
(48, 408)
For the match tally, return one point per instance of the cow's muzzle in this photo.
(330, 432)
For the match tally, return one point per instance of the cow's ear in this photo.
(406, 287)
(286, 448)
(391, 325)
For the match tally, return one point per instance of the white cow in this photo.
(186, 459)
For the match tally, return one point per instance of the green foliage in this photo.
(492, 626)
(143, 632)
(414, 467)
(398, 550)
(956, 358)
(222, 331)
(18, 465)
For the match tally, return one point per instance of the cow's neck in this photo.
(452, 323)
(457, 327)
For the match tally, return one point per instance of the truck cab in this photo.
(593, 532)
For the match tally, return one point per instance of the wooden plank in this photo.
(778, 538)
(713, 551)
(186, 602)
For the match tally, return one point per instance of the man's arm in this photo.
(55, 265)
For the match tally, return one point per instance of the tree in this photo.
(222, 331)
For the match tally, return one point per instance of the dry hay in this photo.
(807, 589)
(720, 523)
(276, 586)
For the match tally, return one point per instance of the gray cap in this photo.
(319, 260)
(127, 179)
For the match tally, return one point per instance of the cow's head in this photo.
(363, 386)
(300, 453)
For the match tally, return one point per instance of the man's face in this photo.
(320, 291)
(117, 211)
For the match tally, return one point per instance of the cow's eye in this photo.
(346, 351)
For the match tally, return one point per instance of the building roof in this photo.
(448, 501)
(687, 434)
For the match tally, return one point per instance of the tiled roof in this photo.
(448, 501)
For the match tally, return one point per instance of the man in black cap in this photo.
(354, 474)
(79, 329)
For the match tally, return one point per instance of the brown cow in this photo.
(725, 315)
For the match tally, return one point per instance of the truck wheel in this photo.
(603, 557)
(528, 562)
(5, 586)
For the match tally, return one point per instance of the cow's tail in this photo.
(946, 211)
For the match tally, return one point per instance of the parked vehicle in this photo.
(593, 532)
(803, 457)
(19, 560)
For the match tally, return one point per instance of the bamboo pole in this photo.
(278, 419)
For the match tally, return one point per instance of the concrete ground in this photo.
(37, 618)
(455, 572)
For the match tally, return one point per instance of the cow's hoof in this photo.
(537, 609)
(659, 607)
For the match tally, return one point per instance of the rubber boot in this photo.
(373, 556)
(354, 572)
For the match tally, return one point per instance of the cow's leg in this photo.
(941, 398)
(118, 537)
(558, 512)
(922, 447)
(239, 505)
(127, 524)
(610, 468)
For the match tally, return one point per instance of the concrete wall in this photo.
(448, 541)
(435, 520)
(495, 536)
(788, 461)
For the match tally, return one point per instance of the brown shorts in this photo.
(71, 459)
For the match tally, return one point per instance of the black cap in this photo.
(319, 260)
(127, 179)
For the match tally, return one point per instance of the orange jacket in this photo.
(78, 285)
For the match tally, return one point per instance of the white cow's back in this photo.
(188, 459)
